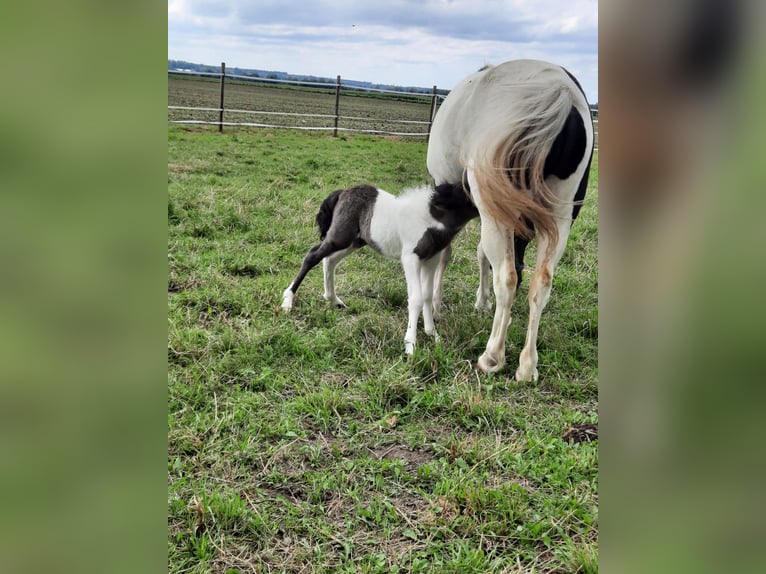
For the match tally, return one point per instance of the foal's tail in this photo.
(508, 159)
(324, 216)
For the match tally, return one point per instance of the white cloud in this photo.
(400, 42)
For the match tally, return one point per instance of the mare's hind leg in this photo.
(443, 260)
(548, 255)
(497, 244)
(328, 264)
(313, 257)
(482, 293)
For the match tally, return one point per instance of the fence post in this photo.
(337, 105)
(431, 113)
(220, 110)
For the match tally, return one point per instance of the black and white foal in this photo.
(413, 227)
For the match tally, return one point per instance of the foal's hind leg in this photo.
(548, 255)
(313, 257)
(329, 263)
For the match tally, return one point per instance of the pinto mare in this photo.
(521, 135)
(413, 227)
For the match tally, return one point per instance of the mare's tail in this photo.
(324, 216)
(510, 157)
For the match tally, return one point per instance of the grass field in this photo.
(306, 442)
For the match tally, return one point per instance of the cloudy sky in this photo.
(401, 42)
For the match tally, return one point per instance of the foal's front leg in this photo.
(411, 265)
(443, 260)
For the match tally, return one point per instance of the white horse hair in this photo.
(521, 134)
(414, 227)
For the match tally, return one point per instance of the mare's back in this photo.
(486, 103)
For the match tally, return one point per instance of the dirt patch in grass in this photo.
(293, 491)
(411, 507)
(413, 459)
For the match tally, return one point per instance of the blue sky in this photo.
(402, 42)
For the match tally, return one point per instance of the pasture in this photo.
(307, 442)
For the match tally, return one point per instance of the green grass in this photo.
(305, 441)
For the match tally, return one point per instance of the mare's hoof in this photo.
(526, 375)
(488, 364)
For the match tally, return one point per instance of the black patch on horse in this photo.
(582, 188)
(433, 241)
(324, 215)
(566, 154)
(451, 205)
(350, 222)
(580, 195)
(568, 148)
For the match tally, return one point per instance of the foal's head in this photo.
(451, 205)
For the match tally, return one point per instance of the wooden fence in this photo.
(336, 89)
(249, 95)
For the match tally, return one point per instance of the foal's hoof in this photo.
(435, 336)
(409, 348)
(488, 364)
(287, 300)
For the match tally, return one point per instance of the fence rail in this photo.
(331, 92)
(337, 88)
